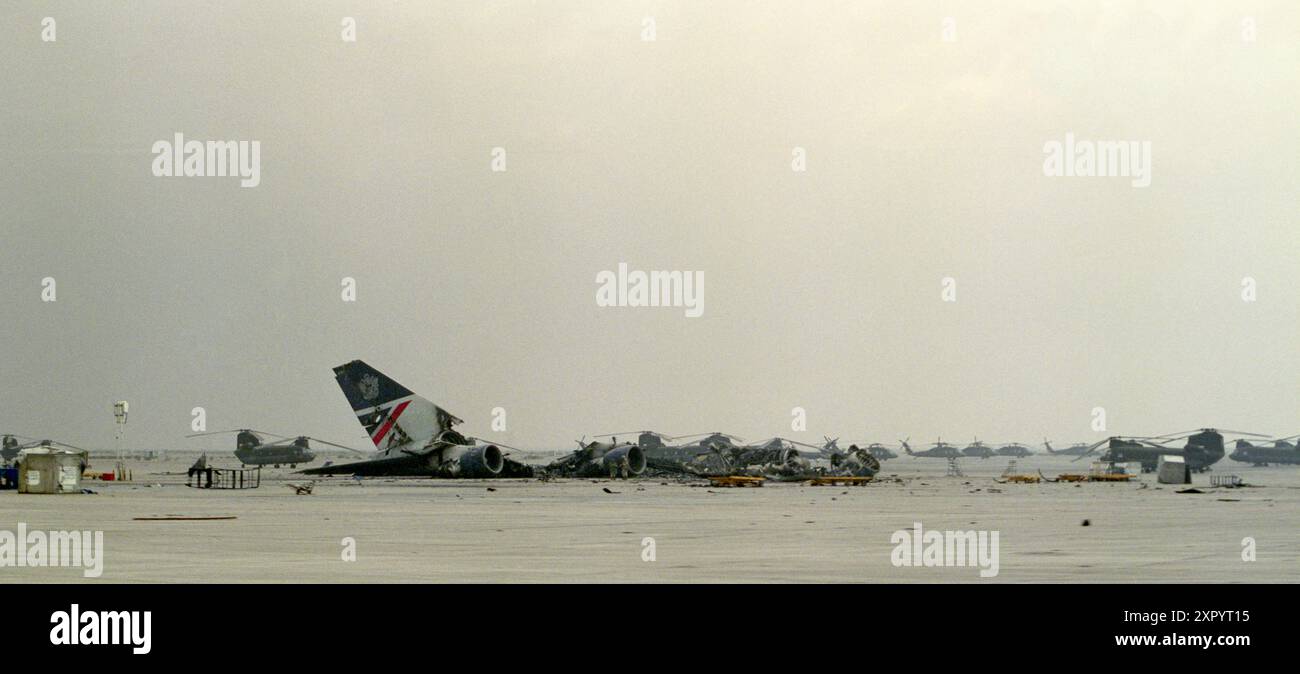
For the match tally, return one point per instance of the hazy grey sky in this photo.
(822, 288)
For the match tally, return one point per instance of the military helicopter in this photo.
(648, 441)
(939, 450)
(1014, 449)
(1282, 452)
(252, 449)
(1076, 449)
(882, 452)
(1204, 447)
(10, 447)
(856, 462)
(708, 442)
(831, 450)
(978, 449)
(784, 446)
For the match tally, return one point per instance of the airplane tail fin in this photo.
(392, 415)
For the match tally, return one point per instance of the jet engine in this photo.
(601, 459)
(624, 461)
(480, 461)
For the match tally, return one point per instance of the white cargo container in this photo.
(1172, 469)
(50, 470)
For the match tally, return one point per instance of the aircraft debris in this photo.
(839, 480)
(736, 481)
(302, 489)
(604, 459)
(184, 518)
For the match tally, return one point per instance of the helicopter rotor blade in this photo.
(1254, 435)
(254, 431)
(1092, 448)
(733, 438)
(48, 441)
(657, 434)
(1170, 435)
(199, 435)
(1183, 434)
(334, 444)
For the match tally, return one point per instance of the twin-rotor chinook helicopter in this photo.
(1204, 447)
(253, 449)
(1283, 451)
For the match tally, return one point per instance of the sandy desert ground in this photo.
(420, 530)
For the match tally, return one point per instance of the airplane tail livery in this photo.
(393, 416)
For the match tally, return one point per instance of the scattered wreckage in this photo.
(413, 436)
(600, 459)
(778, 460)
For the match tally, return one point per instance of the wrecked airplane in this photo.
(412, 436)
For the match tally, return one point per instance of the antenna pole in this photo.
(120, 410)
